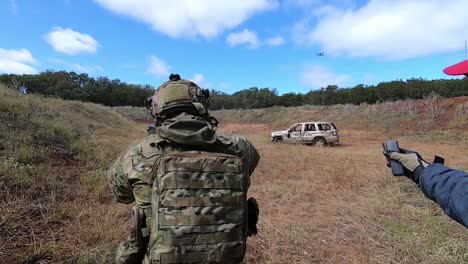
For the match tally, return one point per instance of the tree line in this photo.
(82, 87)
(332, 94)
(102, 90)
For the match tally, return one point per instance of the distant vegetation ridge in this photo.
(102, 90)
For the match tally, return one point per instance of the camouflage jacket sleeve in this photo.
(118, 180)
(130, 177)
(243, 148)
(251, 156)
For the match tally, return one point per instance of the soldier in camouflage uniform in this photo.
(176, 228)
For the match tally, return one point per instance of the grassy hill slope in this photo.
(53, 190)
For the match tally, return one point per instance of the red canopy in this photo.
(458, 69)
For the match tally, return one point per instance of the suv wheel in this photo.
(278, 140)
(319, 142)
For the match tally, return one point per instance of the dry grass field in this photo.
(341, 205)
(318, 205)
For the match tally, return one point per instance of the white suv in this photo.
(314, 133)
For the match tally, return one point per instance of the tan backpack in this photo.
(199, 208)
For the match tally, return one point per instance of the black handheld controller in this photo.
(397, 168)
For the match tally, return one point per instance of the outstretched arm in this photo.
(448, 188)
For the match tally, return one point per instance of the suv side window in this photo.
(324, 127)
(310, 127)
(296, 128)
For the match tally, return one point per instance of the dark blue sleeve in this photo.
(448, 188)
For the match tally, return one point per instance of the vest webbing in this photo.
(199, 208)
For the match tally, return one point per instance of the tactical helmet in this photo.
(178, 96)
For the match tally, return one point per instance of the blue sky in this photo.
(235, 44)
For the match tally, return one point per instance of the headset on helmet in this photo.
(177, 96)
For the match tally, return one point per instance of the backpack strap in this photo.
(161, 144)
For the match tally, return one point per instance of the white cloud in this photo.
(251, 40)
(317, 76)
(198, 78)
(70, 42)
(391, 29)
(201, 81)
(180, 18)
(244, 37)
(16, 61)
(275, 41)
(158, 67)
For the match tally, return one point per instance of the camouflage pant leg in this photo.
(129, 252)
(132, 250)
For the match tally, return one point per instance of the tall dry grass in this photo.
(139, 114)
(341, 205)
(55, 202)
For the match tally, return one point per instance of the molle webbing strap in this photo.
(196, 239)
(198, 166)
(201, 184)
(206, 228)
(202, 201)
(223, 167)
(216, 256)
(146, 231)
(190, 220)
(185, 166)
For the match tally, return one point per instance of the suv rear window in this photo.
(333, 125)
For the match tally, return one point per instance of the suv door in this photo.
(310, 132)
(325, 129)
(295, 133)
(329, 132)
(335, 130)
